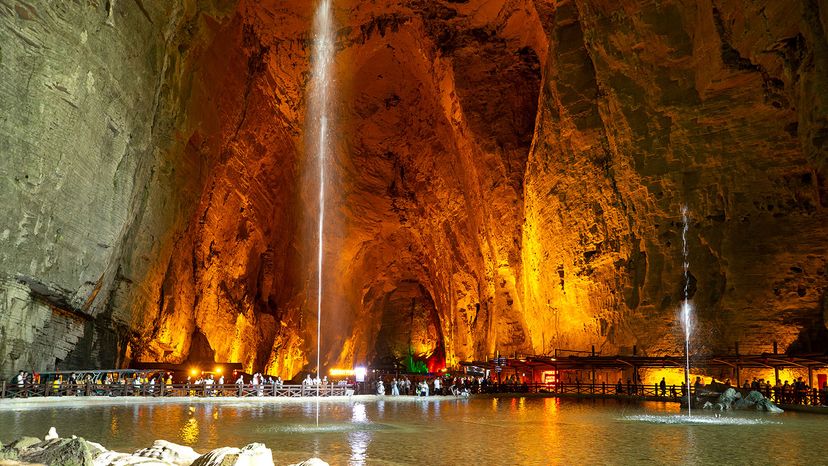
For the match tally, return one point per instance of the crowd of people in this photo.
(785, 392)
(211, 384)
(797, 392)
(424, 386)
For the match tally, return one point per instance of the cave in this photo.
(409, 337)
(506, 177)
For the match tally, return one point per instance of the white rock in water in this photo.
(169, 452)
(216, 457)
(113, 458)
(52, 435)
(255, 454)
(311, 462)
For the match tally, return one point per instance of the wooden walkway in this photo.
(172, 390)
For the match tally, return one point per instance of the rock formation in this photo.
(76, 451)
(508, 176)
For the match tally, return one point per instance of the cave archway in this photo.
(410, 336)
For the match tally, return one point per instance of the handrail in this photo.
(809, 397)
(30, 390)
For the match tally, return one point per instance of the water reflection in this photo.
(484, 431)
(359, 416)
(189, 433)
(359, 442)
(113, 425)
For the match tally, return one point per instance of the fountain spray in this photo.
(686, 307)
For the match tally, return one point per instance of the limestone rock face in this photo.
(505, 176)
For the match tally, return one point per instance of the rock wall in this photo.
(91, 94)
(524, 162)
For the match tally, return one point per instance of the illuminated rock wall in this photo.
(520, 165)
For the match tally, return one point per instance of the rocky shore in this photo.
(75, 451)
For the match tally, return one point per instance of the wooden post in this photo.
(775, 348)
(810, 377)
(776, 374)
(3, 389)
(738, 373)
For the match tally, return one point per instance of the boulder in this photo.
(169, 452)
(114, 458)
(255, 454)
(311, 462)
(62, 452)
(8, 454)
(731, 399)
(754, 397)
(24, 442)
(12, 450)
(767, 405)
(728, 397)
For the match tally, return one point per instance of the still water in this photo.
(413, 431)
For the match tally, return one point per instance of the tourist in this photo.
(438, 388)
(395, 389)
(786, 392)
(56, 385)
(663, 386)
(21, 381)
(619, 388)
(240, 384)
(380, 388)
(697, 384)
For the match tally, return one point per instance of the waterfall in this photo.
(319, 114)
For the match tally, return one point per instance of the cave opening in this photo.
(409, 337)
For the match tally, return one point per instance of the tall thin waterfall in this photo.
(686, 307)
(319, 115)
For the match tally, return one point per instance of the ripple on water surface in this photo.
(679, 419)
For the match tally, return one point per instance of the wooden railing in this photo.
(171, 390)
(810, 397)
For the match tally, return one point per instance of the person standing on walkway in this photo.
(663, 386)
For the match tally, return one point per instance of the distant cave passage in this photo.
(410, 337)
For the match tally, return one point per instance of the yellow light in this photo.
(218, 369)
(341, 372)
(194, 372)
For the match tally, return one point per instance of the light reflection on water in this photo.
(480, 431)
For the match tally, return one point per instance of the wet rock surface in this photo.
(516, 168)
(76, 451)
